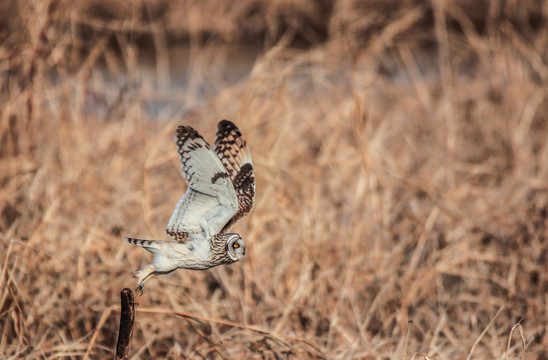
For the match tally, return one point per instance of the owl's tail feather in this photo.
(150, 245)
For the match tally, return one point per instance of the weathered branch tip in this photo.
(127, 316)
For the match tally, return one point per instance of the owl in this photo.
(221, 190)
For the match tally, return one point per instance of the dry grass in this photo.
(401, 164)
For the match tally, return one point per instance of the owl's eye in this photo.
(236, 245)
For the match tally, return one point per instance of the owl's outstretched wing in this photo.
(210, 200)
(231, 148)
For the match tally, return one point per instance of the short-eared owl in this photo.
(221, 190)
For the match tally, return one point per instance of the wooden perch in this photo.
(127, 315)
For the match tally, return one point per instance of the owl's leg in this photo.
(143, 275)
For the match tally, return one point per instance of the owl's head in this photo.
(235, 247)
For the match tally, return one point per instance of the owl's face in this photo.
(235, 247)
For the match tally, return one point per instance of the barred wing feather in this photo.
(211, 200)
(231, 148)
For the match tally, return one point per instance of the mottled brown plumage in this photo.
(231, 148)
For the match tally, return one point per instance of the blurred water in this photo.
(164, 88)
(167, 87)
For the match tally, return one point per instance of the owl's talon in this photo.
(143, 275)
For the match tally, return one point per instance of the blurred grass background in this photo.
(401, 161)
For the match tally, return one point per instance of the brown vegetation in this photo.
(401, 160)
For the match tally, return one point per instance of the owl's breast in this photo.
(189, 255)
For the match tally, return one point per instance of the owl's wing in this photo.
(231, 148)
(210, 200)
